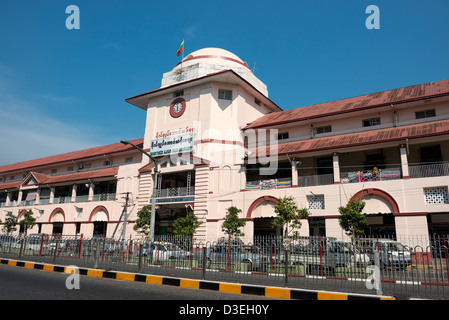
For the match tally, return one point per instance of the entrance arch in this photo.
(261, 212)
(100, 217)
(57, 218)
(380, 209)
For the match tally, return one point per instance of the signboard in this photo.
(171, 145)
(179, 199)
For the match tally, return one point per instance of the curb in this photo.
(272, 292)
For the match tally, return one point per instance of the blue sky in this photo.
(63, 90)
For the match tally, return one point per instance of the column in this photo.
(72, 200)
(8, 199)
(91, 192)
(52, 195)
(242, 174)
(19, 199)
(295, 173)
(336, 165)
(404, 161)
(38, 196)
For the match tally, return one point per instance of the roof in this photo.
(226, 76)
(44, 179)
(71, 156)
(361, 138)
(368, 101)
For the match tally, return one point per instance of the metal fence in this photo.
(412, 266)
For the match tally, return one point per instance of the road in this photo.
(29, 284)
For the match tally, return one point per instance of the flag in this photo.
(181, 48)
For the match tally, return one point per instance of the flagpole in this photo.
(182, 58)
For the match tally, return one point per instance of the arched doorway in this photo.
(100, 218)
(379, 210)
(262, 213)
(57, 218)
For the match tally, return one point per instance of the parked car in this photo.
(392, 254)
(330, 254)
(223, 255)
(162, 251)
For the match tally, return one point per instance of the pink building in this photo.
(221, 142)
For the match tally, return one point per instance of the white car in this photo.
(162, 251)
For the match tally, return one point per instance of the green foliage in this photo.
(143, 221)
(232, 224)
(28, 220)
(351, 218)
(289, 216)
(10, 223)
(186, 226)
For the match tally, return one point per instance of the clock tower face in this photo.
(177, 107)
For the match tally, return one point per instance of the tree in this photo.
(28, 221)
(143, 220)
(10, 223)
(232, 224)
(289, 216)
(351, 218)
(186, 226)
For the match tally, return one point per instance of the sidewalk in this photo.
(274, 292)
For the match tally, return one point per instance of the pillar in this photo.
(404, 161)
(336, 165)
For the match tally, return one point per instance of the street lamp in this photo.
(153, 198)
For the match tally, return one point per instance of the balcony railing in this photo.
(104, 197)
(25, 203)
(429, 170)
(175, 192)
(315, 180)
(268, 184)
(370, 175)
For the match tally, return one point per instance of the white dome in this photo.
(213, 56)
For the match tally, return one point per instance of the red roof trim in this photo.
(364, 102)
(362, 138)
(71, 156)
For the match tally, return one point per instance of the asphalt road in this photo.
(29, 284)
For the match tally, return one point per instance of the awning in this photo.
(31, 196)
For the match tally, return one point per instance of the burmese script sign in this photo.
(172, 144)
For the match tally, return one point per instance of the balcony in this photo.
(175, 192)
(429, 170)
(316, 180)
(96, 197)
(268, 184)
(370, 175)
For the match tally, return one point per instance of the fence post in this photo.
(204, 262)
(21, 247)
(97, 254)
(286, 266)
(139, 265)
(56, 250)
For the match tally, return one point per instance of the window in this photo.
(425, 114)
(282, 136)
(53, 171)
(323, 129)
(178, 93)
(316, 201)
(436, 195)
(69, 168)
(129, 160)
(371, 122)
(225, 94)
